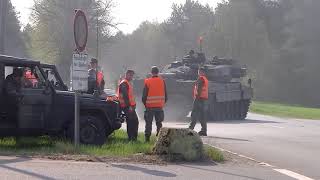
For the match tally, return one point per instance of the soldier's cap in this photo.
(154, 70)
(94, 60)
(130, 71)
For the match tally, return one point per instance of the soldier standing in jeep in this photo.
(11, 90)
(95, 78)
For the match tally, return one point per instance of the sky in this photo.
(129, 12)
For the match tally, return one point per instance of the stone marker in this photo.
(179, 143)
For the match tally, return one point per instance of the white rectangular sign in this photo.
(80, 72)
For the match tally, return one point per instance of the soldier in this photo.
(154, 98)
(95, 78)
(128, 105)
(191, 54)
(12, 87)
(190, 58)
(200, 96)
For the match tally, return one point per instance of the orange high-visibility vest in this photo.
(156, 92)
(132, 101)
(28, 75)
(205, 91)
(99, 78)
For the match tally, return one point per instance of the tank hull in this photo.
(227, 101)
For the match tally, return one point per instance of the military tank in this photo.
(229, 95)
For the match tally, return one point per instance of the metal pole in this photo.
(76, 119)
(97, 53)
(3, 18)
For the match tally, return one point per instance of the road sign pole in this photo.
(79, 68)
(76, 119)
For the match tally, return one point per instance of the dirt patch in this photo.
(138, 158)
(146, 159)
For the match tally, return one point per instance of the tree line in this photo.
(276, 39)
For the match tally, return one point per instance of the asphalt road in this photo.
(22, 168)
(289, 144)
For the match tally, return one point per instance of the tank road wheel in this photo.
(217, 111)
(229, 111)
(231, 117)
(225, 111)
(238, 110)
(92, 131)
(221, 111)
(232, 110)
(235, 108)
(211, 109)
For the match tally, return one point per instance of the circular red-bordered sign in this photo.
(80, 29)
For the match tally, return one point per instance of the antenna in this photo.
(200, 43)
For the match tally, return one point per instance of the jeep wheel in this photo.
(92, 131)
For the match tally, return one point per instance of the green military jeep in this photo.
(46, 107)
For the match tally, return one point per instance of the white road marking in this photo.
(293, 174)
(240, 155)
(282, 171)
(265, 164)
(278, 127)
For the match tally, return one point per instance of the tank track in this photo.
(233, 110)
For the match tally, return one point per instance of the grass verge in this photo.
(117, 145)
(282, 110)
(213, 153)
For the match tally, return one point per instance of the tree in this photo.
(187, 23)
(52, 30)
(14, 44)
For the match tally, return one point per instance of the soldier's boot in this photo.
(202, 133)
(158, 130)
(192, 125)
(193, 121)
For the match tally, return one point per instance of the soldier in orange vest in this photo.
(200, 96)
(95, 78)
(128, 105)
(154, 98)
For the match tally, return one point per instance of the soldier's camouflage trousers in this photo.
(198, 114)
(158, 114)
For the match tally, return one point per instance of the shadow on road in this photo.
(222, 172)
(144, 170)
(4, 164)
(16, 160)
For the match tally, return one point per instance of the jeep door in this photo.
(35, 105)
